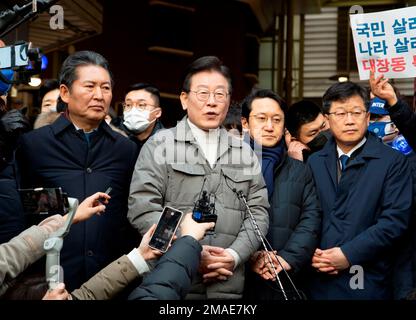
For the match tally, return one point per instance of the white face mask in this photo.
(137, 120)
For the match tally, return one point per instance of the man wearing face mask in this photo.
(384, 128)
(307, 130)
(141, 113)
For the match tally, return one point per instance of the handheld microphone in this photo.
(204, 209)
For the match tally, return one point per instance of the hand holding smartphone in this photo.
(165, 230)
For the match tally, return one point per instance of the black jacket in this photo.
(172, 276)
(11, 211)
(295, 224)
(405, 119)
(118, 122)
(58, 156)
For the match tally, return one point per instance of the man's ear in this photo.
(184, 100)
(327, 122)
(158, 113)
(64, 93)
(244, 123)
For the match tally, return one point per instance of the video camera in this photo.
(18, 63)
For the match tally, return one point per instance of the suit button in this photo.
(89, 170)
(90, 253)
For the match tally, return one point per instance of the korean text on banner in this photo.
(386, 42)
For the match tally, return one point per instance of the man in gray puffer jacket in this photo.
(175, 165)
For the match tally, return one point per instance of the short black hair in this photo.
(342, 91)
(48, 85)
(68, 73)
(146, 87)
(300, 113)
(259, 94)
(233, 118)
(206, 63)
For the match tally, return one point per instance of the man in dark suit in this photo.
(82, 154)
(365, 189)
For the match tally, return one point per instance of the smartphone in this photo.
(165, 230)
(43, 201)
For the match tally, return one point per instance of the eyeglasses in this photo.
(138, 105)
(203, 95)
(263, 119)
(342, 114)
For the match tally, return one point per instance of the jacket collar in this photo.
(63, 123)
(370, 150)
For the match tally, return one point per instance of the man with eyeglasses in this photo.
(365, 190)
(141, 113)
(176, 165)
(295, 214)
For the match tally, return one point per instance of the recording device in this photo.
(165, 230)
(53, 246)
(44, 201)
(102, 199)
(108, 190)
(18, 63)
(204, 209)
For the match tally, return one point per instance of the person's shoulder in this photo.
(295, 164)
(295, 168)
(162, 135)
(390, 154)
(36, 133)
(315, 157)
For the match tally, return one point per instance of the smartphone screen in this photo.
(42, 201)
(165, 229)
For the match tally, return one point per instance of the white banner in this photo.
(386, 42)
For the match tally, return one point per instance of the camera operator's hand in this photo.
(14, 121)
(91, 206)
(189, 227)
(59, 293)
(145, 251)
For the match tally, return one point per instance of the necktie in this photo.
(88, 136)
(344, 159)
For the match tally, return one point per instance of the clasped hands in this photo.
(330, 261)
(216, 264)
(260, 264)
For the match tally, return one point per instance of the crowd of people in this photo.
(312, 202)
